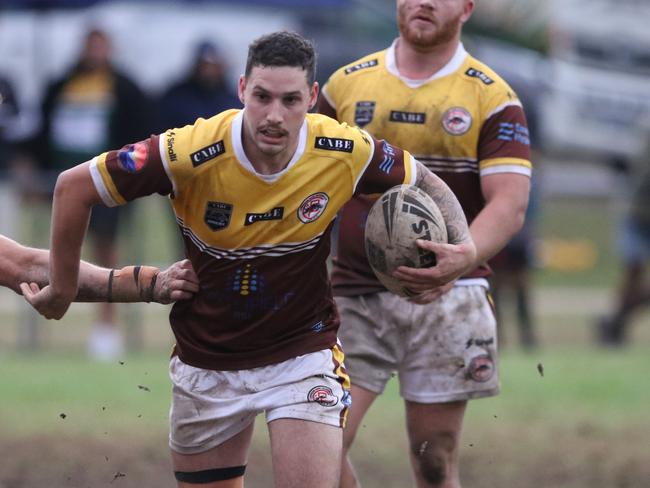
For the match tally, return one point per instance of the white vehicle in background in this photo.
(597, 104)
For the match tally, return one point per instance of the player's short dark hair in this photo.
(282, 49)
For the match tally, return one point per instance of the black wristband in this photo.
(110, 286)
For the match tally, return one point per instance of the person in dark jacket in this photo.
(203, 91)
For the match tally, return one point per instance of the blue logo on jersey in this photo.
(516, 132)
(389, 158)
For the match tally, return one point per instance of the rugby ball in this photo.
(399, 217)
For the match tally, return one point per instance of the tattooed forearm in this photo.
(457, 228)
(129, 284)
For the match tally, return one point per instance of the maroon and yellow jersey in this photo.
(259, 243)
(462, 123)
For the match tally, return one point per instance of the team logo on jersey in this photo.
(207, 153)
(456, 121)
(217, 215)
(322, 395)
(474, 73)
(133, 158)
(407, 117)
(363, 113)
(312, 207)
(481, 368)
(247, 280)
(364, 65)
(273, 214)
(334, 144)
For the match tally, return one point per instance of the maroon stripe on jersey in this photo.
(246, 253)
(505, 134)
(325, 108)
(254, 312)
(143, 178)
(386, 169)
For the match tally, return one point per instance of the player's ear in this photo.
(313, 95)
(467, 10)
(242, 87)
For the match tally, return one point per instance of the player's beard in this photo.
(430, 38)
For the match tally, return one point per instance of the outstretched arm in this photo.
(21, 264)
(74, 197)
(454, 258)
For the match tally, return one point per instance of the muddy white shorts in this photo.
(443, 351)
(209, 407)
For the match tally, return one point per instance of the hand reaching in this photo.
(178, 282)
(49, 304)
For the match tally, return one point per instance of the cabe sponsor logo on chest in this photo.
(334, 144)
(474, 73)
(364, 65)
(312, 207)
(408, 117)
(273, 214)
(207, 153)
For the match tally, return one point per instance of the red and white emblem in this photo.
(456, 121)
(481, 368)
(312, 207)
(322, 395)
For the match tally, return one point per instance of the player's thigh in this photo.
(305, 453)
(451, 351)
(232, 452)
(361, 401)
(370, 334)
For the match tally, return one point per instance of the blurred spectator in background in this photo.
(8, 116)
(512, 265)
(203, 92)
(634, 247)
(92, 108)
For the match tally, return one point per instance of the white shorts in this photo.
(209, 407)
(443, 351)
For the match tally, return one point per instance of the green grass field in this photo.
(588, 403)
(68, 422)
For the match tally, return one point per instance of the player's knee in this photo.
(434, 457)
(228, 475)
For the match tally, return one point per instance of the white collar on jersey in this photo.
(454, 63)
(245, 162)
